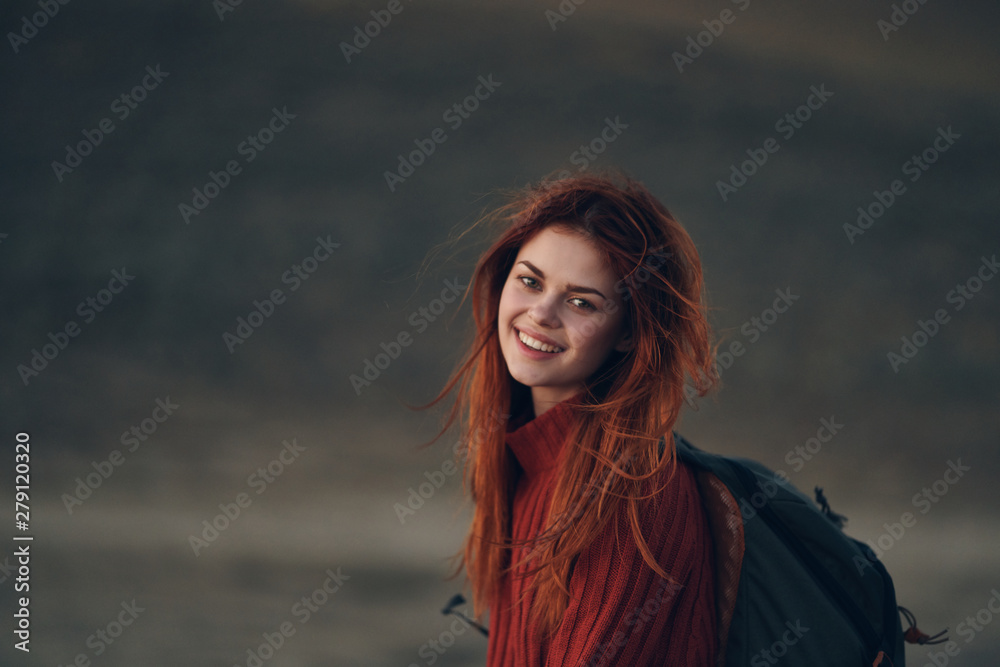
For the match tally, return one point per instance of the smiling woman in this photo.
(558, 325)
(586, 544)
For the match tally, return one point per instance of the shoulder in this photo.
(673, 516)
(671, 520)
(614, 577)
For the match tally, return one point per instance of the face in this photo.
(559, 316)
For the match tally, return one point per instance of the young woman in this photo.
(588, 544)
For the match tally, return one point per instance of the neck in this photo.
(543, 398)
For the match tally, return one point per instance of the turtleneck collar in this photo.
(537, 443)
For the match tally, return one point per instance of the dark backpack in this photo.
(791, 587)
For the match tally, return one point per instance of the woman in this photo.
(587, 545)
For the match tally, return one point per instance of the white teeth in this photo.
(537, 344)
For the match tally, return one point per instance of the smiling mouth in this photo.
(537, 344)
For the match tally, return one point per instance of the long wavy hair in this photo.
(632, 400)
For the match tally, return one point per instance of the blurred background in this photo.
(210, 415)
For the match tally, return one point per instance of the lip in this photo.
(532, 353)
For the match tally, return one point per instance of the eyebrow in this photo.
(572, 288)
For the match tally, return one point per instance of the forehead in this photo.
(564, 255)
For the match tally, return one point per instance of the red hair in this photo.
(633, 399)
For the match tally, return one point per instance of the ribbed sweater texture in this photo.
(620, 611)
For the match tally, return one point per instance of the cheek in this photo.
(591, 337)
(510, 304)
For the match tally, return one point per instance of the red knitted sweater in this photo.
(620, 611)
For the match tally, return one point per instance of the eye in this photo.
(532, 284)
(528, 282)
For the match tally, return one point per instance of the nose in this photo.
(544, 313)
